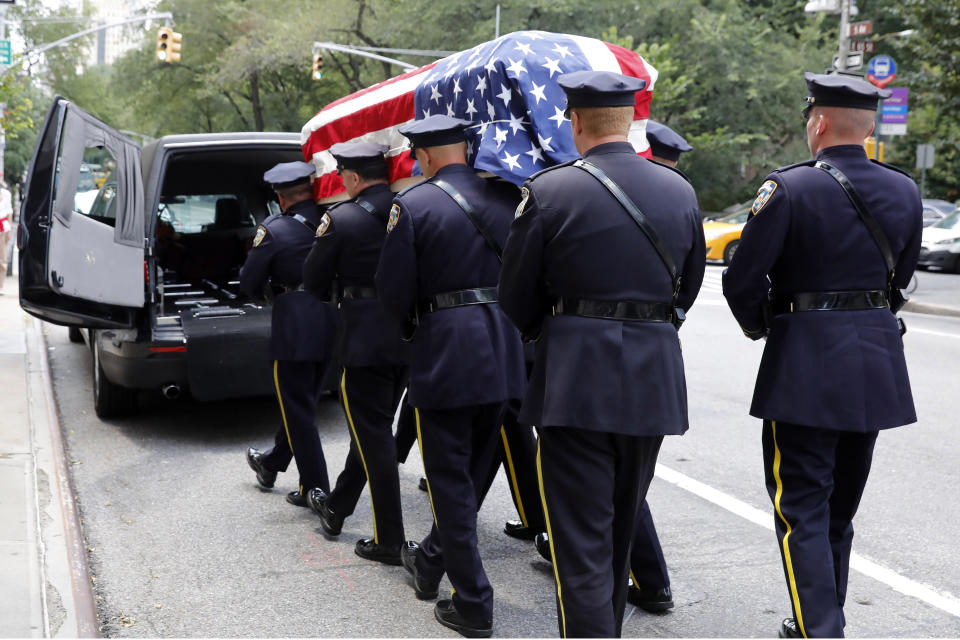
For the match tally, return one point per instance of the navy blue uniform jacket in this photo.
(302, 327)
(573, 239)
(840, 370)
(346, 254)
(464, 356)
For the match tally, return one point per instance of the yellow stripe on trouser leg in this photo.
(794, 594)
(356, 439)
(514, 485)
(416, 413)
(283, 414)
(553, 553)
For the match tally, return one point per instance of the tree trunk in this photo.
(255, 100)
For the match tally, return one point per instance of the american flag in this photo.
(507, 87)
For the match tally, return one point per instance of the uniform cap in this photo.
(288, 174)
(435, 131)
(835, 90)
(358, 155)
(665, 142)
(599, 88)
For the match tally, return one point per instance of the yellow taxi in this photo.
(723, 233)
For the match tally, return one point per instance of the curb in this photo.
(931, 309)
(66, 562)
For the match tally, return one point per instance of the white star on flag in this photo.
(435, 94)
(426, 113)
(491, 67)
(558, 116)
(524, 47)
(456, 87)
(562, 51)
(535, 153)
(470, 108)
(516, 66)
(500, 136)
(450, 111)
(545, 142)
(553, 66)
(490, 110)
(511, 161)
(504, 94)
(537, 91)
(515, 123)
(481, 84)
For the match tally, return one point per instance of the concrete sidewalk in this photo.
(44, 584)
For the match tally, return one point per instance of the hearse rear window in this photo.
(199, 213)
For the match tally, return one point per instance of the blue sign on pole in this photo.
(881, 70)
(5, 52)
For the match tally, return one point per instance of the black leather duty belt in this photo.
(461, 298)
(831, 301)
(633, 310)
(352, 292)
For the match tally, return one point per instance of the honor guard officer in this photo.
(301, 333)
(604, 299)
(666, 145)
(441, 260)
(827, 243)
(373, 377)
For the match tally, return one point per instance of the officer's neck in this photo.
(585, 144)
(296, 203)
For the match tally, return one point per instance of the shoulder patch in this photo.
(524, 195)
(325, 223)
(394, 216)
(261, 234)
(763, 196)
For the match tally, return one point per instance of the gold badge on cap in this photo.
(763, 195)
(524, 194)
(261, 234)
(324, 225)
(394, 216)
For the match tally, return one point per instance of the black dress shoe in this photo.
(542, 543)
(447, 615)
(331, 522)
(387, 554)
(422, 484)
(424, 589)
(652, 599)
(297, 499)
(516, 529)
(265, 477)
(788, 629)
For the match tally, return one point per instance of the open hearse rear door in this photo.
(81, 233)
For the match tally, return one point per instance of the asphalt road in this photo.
(182, 543)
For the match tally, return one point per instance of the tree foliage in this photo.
(731, 72)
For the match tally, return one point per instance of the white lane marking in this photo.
(928, 332)
(935, 598)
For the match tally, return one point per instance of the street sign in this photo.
(5, 52)
(864, 28)
(866, 46)
(893, 113)
(881, 70)
(854, 61)
(924, 156)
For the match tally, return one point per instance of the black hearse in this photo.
(138, 251)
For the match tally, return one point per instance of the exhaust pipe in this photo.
(170, 391)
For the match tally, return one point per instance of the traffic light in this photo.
(317, 66)
(168, 45)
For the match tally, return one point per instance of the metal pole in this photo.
(923, 181)
(496, 33)
(3, 105)
(844, 46)
(876, 132)
(339, 47)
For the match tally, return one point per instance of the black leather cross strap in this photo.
(615, 309)
(369, 208)
(309, 225)
(461, 298)
(831, 301)
(637, 216)
(355, 292)
(467, 208)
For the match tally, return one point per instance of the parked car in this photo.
(723, 234)
(936, 210)
(148, 274)
(941, 244)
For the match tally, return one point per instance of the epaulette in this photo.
(805, 163)
(556, 166)
(674, 169)
(400, 193)
(337, 204)
(892, 167)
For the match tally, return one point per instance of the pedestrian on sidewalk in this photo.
(6, 228)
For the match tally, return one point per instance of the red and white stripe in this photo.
(374, 114)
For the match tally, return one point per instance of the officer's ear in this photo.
(576, 124)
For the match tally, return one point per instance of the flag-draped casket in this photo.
(507, 87)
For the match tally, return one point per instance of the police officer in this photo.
(302, 329)
(373, 377)
(441, 260)
(833, 372)
(581, 275)
(666, 145)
